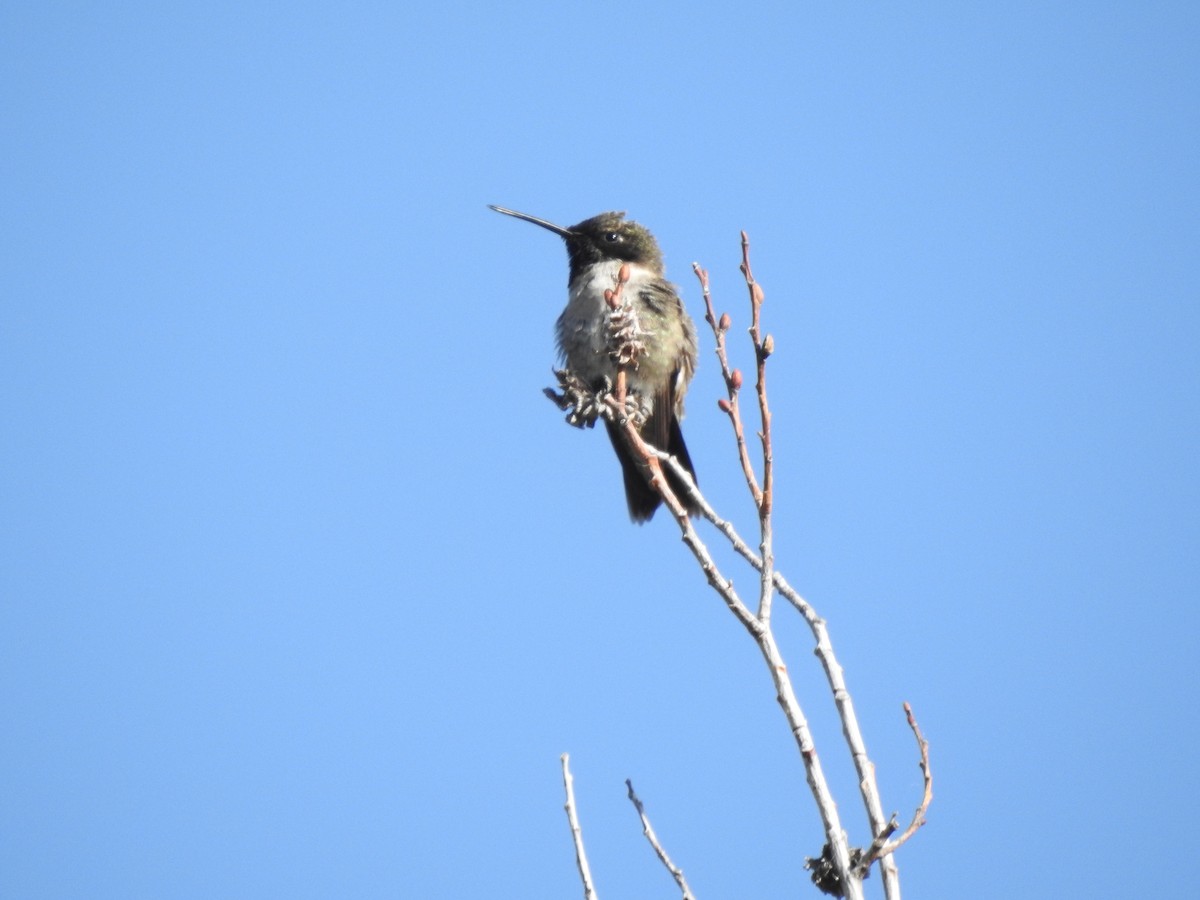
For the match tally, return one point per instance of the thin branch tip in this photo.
(648, 831)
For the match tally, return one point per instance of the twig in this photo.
(648, 831)
(585, 873)
(872, 852)
(835, 676)
(733, 384)
(881, 848)
(651, 456)
(918, 818)
(762, 349)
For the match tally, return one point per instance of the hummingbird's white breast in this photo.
(582, 338)
(583, 332)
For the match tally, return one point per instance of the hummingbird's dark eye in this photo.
(612, 237)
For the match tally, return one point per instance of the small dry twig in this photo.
(762, 349)
(648, 831)
(881, 847)
(733, 384)
(918, 818)
(585, 873)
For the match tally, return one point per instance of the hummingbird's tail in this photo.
(642, 499)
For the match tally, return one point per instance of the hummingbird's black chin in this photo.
(550, 226)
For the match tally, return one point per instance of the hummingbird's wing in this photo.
(678, 340)
(663, 431)
(641, 499)
(657, 429)
(668, 434)
(663, 374)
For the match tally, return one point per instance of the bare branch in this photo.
(836, 678)
(833, 674)
(763, 347)
(585, 873)
(733, 384)
(723, 586)
(765, 639)
(648, 831)
(761, 352)
(824, 652)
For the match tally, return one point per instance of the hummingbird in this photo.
(659, 377)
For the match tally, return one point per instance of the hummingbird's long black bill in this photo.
(557, 229)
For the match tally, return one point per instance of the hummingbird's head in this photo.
(603, 237)
(610, 236)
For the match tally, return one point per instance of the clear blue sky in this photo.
(304, 586)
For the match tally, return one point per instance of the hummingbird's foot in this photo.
(634, 411)
(582, 405)
(620, 413)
